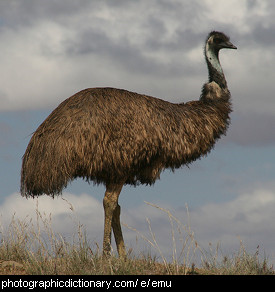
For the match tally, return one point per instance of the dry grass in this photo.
(32, 247)
(240, 263)
(183, 259)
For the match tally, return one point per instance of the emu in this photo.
(116, 137)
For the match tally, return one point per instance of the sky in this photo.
(53, 49)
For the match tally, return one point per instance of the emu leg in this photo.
(112, 220)
(118, 232)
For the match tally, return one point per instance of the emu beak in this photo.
(228, 45)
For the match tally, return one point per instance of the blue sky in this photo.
(52, 49)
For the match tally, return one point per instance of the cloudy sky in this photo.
(52, 49)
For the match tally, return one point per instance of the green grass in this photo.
(32, 247)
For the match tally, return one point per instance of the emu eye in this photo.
(217, 40)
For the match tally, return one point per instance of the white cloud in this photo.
(32, 65)
(247, 218)
(240, 15)
(65, 211)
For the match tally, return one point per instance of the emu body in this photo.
(116, 137)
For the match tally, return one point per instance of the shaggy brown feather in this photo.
(108, 135)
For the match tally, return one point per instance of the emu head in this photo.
(218, 40)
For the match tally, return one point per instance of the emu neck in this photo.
(214, 67)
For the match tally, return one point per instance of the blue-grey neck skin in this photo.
(214, 67)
